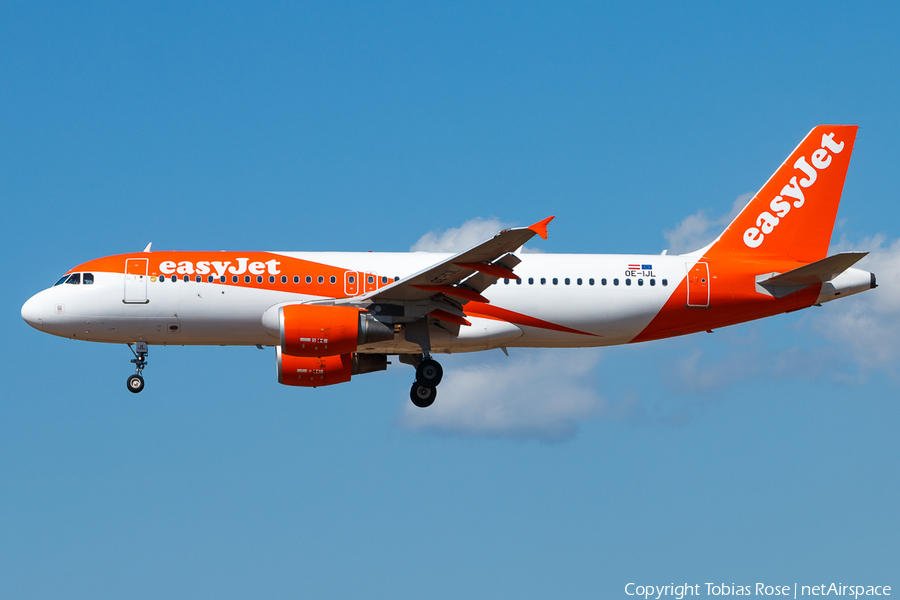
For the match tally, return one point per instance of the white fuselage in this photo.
(579, 301)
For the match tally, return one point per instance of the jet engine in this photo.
(317, 371)
(312, 331)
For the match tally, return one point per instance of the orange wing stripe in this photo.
(494, 312)
(443, 315)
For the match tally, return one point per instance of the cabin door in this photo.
(698, 286)
(136, 280)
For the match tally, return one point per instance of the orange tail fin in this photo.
(793, 215)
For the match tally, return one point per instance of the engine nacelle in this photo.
(317, 371)
(313, 331)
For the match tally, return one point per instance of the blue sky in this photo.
(766, 452)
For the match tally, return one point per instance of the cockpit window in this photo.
(88, 279)
(74, 278)
(61, 280)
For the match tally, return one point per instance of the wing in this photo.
(445, 287)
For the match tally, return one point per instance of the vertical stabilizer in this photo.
(793, 215)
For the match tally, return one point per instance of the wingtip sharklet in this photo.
(540, 227)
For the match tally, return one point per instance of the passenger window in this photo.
(652, 282)
(603, 281)
(234, 279)
(384, 280)
(175, 278)
(333, 279)
(519, 281)
(640, 281)
(296, 279)
(284, 279)
(198, 279)
(308, 279)
(506, 281)
(665, 282)
(271, 279)
(321, 279)
(543, 281)
(186, 278)
(222, 279)
(628, 281)
(396, 278)
(531, 281)
(88, 279)
(259, 279)
(578, 281)
(555, 281)
(210, 279)
(370, 279)
(246, 279)
(616, 281)
(567, 281)
(350, 279)
(74, 279)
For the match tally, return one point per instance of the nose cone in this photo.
(32, 312)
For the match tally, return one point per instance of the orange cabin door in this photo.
(698, 286)
(136, 280)
(351, 283)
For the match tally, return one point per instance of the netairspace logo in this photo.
(678, 592)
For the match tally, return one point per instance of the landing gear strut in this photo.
(135, 382)
(428, 375)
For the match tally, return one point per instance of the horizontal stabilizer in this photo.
(817, 272)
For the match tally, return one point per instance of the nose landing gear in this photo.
(428, 375)
(135, 383)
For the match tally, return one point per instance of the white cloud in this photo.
(472, 232)
(726, 365)
(699, 229)
(867, 326)
(531, 395)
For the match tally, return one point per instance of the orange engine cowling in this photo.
(313, 331)
(306, 371)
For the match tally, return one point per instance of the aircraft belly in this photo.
(483, 334)
(603, 321)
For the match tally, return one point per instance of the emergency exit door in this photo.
(351, 283)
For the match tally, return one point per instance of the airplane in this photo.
(335, 315)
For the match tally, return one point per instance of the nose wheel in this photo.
(428, 375)
(135, 383)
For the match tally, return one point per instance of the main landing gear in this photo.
(428, 375)
(135, 382)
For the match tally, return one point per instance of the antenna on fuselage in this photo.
(147, 249)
